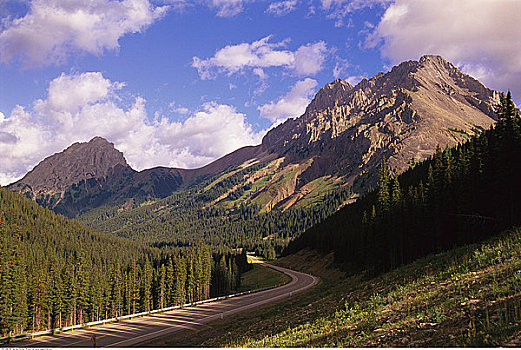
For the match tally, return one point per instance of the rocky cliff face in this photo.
(401, 115)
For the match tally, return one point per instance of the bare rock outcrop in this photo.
(401, 115)
(80, 161)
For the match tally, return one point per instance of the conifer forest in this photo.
(55, 272)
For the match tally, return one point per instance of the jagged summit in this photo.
(330, 95)
(400, 115)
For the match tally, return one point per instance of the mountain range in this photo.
(402, 116)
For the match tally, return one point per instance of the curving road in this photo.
(139, 330)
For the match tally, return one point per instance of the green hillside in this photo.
(221, 211)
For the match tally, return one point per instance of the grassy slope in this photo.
(262, 277)
(467, 296)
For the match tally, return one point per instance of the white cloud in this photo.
(177, 108)
(233, 58)
(260, 73)
(341, 67)
(293, 104)
(306, 60)
(309, 59)
(480, 36)
(53, 29)
(227, 8)
(354, 79)
(81, 106)
(208, 134)
(282, 8)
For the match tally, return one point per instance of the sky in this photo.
(180, 83)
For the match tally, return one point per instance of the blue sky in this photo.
(180, 83)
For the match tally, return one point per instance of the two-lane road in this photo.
(138, 330)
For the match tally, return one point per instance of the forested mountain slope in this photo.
(305, 169)
(460, 195)
(186, 217)
(56, 272)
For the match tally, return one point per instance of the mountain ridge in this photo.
(402, 115)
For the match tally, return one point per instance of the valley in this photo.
(303, 171)
(401, 193)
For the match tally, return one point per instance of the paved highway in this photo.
(142, 329)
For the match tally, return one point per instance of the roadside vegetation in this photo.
(262, 277)
(468, 296)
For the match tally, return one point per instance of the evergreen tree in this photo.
(146, 286)
(506, 108)
(179, 296)
(162, 286)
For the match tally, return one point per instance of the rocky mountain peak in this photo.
(80, 161)
(330, 95)
(399, 115)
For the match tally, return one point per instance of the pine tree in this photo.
(146, 286)
(56, 296)
(190, 278)
(169, 282)
(69, 294)
(179, 296)
(506, 108)
(133, 286)
(162, 286)
(396, 196)
(83, 287)
(116, 298)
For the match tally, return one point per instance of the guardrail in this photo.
(116, 319)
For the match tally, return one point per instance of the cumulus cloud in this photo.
(480, 36)
(208, 134)
(282, 8)
(81, 106)
(306, 60)
(341, 67)
(293, 104)
(309, 59)
(53, 29)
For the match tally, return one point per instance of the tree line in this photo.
(460, 195)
